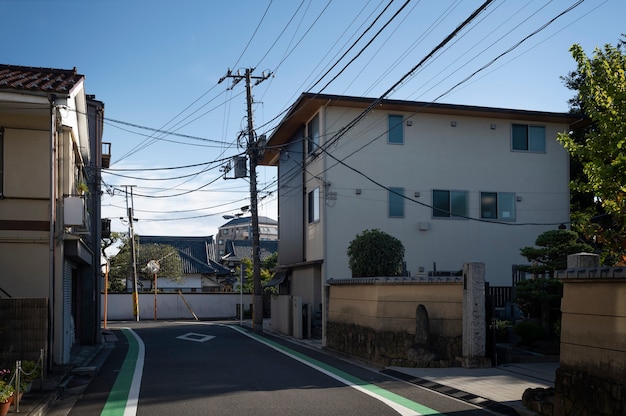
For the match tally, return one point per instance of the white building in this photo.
(453, 183)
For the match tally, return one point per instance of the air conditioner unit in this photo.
(74, 213)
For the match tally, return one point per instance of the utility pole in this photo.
(131, 234)
(253, 150)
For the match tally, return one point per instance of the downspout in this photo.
(51, 242)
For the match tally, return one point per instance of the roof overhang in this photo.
(308, 104)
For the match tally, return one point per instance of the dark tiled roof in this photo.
(236, 250)
(195, 253)
(248, 220)
(47, 80)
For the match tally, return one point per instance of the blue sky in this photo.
(156, 65)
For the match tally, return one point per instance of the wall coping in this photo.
(397, 280)
(592, 273)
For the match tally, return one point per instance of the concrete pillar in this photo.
(474, 325)
(583, 261)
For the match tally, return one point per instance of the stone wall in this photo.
(392, 348)
(411, 322)
(591, 379)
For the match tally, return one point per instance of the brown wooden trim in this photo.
(24, 225)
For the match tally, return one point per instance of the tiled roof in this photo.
(47, 80)
(248, 220)
(194, 253)
(236, 250)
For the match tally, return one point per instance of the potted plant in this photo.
(82, 188)
(6, 394)
(30, 372)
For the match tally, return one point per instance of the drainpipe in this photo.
(52, 242)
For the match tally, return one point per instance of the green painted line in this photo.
(362, 384)
(118, 397)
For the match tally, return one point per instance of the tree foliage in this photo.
(540, 297)
(267, 273)
(553, 248)
(600, 151)
(121, 267)
(375, 253)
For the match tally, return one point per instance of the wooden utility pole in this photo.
(133, 252)
(253, 150)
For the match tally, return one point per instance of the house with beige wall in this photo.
(50, 156)
(453, 183)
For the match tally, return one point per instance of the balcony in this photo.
(106, 155)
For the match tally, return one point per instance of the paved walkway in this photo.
(503, 385)
(497, 388)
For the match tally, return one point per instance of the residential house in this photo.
(200, 273)
(50, 160)
(240, 228)
(237, 250)
(453, 183)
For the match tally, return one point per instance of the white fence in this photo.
(119, 306)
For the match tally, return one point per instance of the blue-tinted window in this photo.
(447, 204)
(396, 202)
(497, 206)
(313, 134)
(528, 138)
(396, 129)
(314, 205)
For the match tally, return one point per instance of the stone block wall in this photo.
(376, 319)
(591, 379)
(392, 348)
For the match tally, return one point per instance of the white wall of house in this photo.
(25, 249)
(472, 157)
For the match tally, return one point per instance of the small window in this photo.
(497, 206)
(396, 202)
(225, 231)
(314, 205)
(527, 138)
(449, 204)
(396, 129)
(313, 134)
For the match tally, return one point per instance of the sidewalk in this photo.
(493, 387)
(499, 389)
(62, 387)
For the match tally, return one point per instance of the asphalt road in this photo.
(170, 368)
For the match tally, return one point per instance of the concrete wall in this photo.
(376, 319)
(281, 315)
(172, 306)
(592, 374)
(390, 305)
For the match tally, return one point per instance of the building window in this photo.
(449, 204)
(396, 129)
(313, 134)
(314, 205)
(396, 202)
(1, 161)
(224, 231)
(526, 138)
(497, 206)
